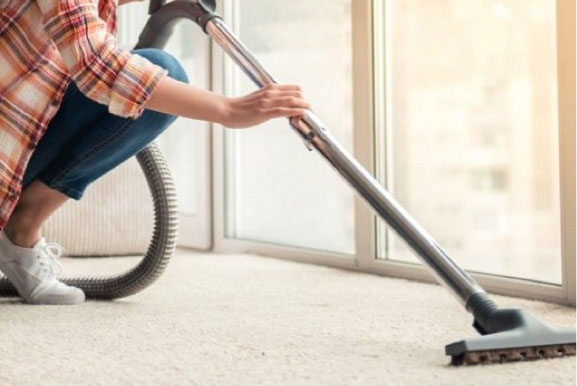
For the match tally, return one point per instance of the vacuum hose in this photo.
(161, 246)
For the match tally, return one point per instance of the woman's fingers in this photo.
(282, 87)
(274, 95)
(279, 112)
(278, 93)
(280, 100)
(287, 101)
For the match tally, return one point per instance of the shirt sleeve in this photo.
(101, 70)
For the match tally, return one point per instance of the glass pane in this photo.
(184, 141)
(277, 191)
(472, 120)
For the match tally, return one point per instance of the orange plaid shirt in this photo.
(44, 45)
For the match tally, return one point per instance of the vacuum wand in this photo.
(316, 136)
(508, 334)
(517, 335)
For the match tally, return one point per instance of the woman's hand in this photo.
(271, 101)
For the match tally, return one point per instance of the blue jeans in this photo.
(84, 141)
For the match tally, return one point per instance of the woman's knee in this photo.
(165, 60)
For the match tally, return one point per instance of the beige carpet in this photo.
(247, 320)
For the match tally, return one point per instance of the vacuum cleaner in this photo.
(507, 334)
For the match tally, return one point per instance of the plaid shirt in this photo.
(45, 44)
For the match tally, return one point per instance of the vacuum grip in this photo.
(155, 5)
(164, 16)
(207, 5)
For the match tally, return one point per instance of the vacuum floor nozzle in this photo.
(509, 335)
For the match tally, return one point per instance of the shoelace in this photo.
(53, 251)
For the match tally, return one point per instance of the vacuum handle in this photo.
(316, 135)
(155, 5)
(163, 18)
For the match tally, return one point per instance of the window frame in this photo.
(366, 118)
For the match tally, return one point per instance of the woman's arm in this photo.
(272, 101)
(129, 83)
(182, 99)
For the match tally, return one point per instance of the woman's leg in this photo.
(82, 143)
(38, 201)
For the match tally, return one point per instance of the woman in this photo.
(73, 106)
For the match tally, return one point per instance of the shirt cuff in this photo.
(134, 86)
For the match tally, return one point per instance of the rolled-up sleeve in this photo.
(101, 70)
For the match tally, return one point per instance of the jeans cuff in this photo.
(68, 191)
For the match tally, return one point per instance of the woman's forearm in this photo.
(184, 100)
(178, 98)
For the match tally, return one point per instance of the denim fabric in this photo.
(84, 141)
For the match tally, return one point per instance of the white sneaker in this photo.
(31, 271)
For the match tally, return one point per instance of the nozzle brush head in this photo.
(510, 335)
(513, 354)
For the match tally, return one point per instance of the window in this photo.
(276, 190)
(471, 107)
(458, 108)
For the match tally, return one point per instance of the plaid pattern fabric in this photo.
(44, 45)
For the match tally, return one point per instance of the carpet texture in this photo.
(248, 320)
